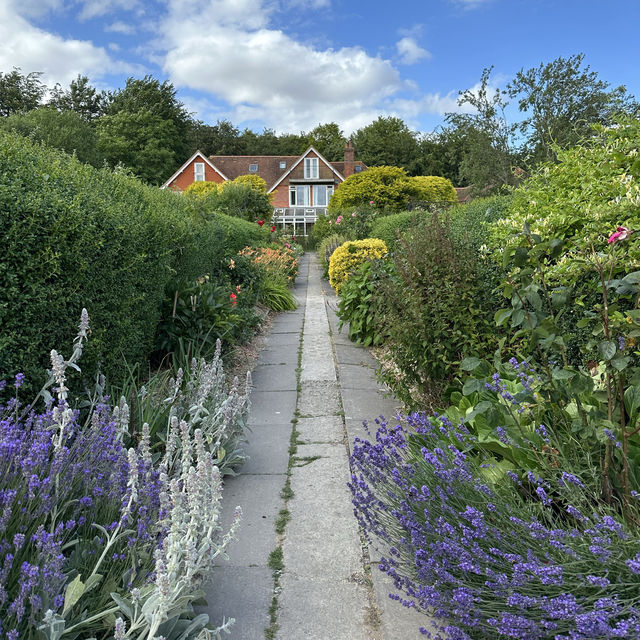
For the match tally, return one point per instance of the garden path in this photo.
(329, 586)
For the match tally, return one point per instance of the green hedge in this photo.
(73, 237)
(387, 227)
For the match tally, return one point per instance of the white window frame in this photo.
(294, 195)
(311, 168)
(198, 172)
(283, 164)
(253, 164)
(328, 192)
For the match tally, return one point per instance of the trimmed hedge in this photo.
(74, 237)
(387, 227)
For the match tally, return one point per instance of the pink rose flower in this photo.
(621, 233)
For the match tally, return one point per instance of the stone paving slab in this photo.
(354, 354)
(368, 404)
(281, 355)
(287, 325)
(259, 497)
(398, 621)
(272, 407)
(319, 398)
(274, 377)
(355, 376)
(243, 593)
(321, 429)
(321, 609)
(280, 340)
(322, 537)
(267, 449)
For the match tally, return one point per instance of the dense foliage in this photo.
(74, 235)
(514, 510)
(349, 256)
(98, 540)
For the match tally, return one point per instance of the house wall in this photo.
(185, 178)
(281, 195)
(324, 172)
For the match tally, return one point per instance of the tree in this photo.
(329, 140)
(387, 142)
(80, 97)
(441, 154)
(563, 100)
(220, 139)
(64, 130)
(141, 141)
(385, 187)
(155, 125)
(19, 93)
(488, 157)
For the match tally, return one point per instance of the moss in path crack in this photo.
(276, 558)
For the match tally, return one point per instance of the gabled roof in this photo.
(188, 162)
(268, 166)
(300, 159)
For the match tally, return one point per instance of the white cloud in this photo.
(264, 73)
(97, 8)
(410, 51)
(124, 28)
(59, 59)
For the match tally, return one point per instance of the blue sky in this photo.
(291, 64)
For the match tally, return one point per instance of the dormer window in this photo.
(283, 165)
(253, 168)
(198, 171)
(358, 168)
(310, 168)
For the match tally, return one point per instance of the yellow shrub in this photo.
(201, 189)
(349, 256)
(254, 181)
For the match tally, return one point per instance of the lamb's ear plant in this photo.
(97, 541)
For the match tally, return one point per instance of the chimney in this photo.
(349, 156)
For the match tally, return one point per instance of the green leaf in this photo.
(469, 364)
(72, 594)
(621, 363)
(607, 349)
(472, 385)
(501, 316)
(562, 374)
(518, 317)
(125, 605)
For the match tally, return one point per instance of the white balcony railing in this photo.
(300, 219)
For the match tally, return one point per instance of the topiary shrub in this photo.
(349, 256)
(433, 189)
(326, 249)
(382, 187)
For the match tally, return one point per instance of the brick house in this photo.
(301, 186)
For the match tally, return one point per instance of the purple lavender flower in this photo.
(19, 380)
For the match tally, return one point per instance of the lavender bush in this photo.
(526, 557)
(97, 541)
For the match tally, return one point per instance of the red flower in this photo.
(273, 228)
(233, 299)
(260, 223)
(621, 234)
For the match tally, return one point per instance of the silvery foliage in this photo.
(191, 502)
(206, 402)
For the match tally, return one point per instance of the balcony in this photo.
(301, 219)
